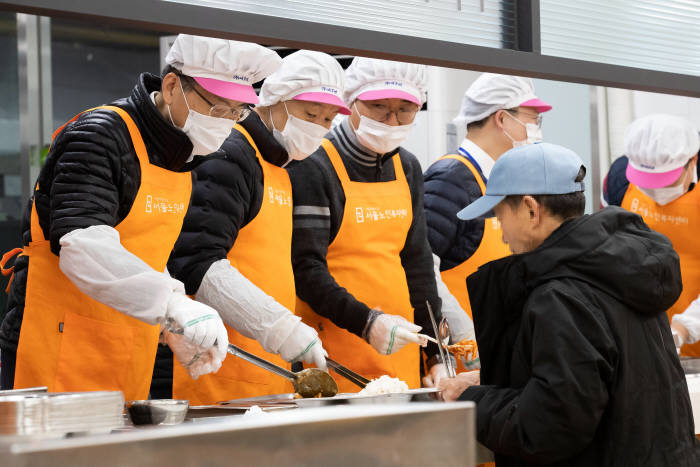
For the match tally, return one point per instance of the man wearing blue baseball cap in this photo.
(578, 366)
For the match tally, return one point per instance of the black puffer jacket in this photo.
(449, 187)
(91, 177)
(578, 365)
(226, 195)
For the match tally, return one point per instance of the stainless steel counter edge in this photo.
(405, 434)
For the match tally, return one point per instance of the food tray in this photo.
(60, 413)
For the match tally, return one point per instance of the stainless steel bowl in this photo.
(157, 411)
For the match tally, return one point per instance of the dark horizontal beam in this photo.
(159, 15)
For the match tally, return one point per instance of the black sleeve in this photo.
(85, 175)
(615, 183)
(417, 257)
(449, 188)
(557, 411)
(224, 193)
(318, 211)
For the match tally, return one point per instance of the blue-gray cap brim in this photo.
(480, 207)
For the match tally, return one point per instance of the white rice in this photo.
(254, 410)
(385, 384)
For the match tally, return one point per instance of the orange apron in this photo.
(262, 253)
(677, 220)
(490, 248)
(70, 342)
(365, 258)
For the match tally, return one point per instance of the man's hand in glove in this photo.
(389, 333)
(196, 360)
(303, 344)
(201, 325)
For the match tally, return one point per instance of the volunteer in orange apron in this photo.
(362, 263)
(91, 286)
(657, 180)
(500, 112)
(235, 249)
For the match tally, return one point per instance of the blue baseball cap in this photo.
(535, 169)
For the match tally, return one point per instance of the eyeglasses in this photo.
(537, 118)
(225, 111)
(381, 113)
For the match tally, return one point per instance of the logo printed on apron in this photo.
(263, 254)
(70, 342)
(364, 258)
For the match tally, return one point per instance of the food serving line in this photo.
(369, 433)
(345, 430)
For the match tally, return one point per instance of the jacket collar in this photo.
(270, 149)
(167, 146)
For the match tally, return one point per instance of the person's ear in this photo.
(498, 118)
(168, 87)
(534, 209)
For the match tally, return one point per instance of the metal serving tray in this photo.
(60, 413)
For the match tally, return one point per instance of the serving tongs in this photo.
(308, 383)
(347, 373)
(442, 333)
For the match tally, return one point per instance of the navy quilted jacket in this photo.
(449, 187)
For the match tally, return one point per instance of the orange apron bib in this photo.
(263, 254)
(70, 342)
(490, 248)
(365, 258)
(677, 220)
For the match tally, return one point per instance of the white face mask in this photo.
(380, 137)
(299, 137)
(206, 133)
(534, 133)
(665, 195)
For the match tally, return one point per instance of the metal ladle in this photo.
(308, 383)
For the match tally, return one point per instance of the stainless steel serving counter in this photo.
(416, 434)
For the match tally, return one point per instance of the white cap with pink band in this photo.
(374, 79)
(225, 68)
(306, 75)
(658, 146)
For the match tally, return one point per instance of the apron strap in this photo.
(9, 271)
(398, 168)
(336, 161)
(136, 140)
(239, 128)
(339, 166)
(471, 168)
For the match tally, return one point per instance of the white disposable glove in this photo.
(389, 333)
(687, 324)
(201, 324)
(197, 360)
(303, 344)
(680, 334)
(436, 373)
